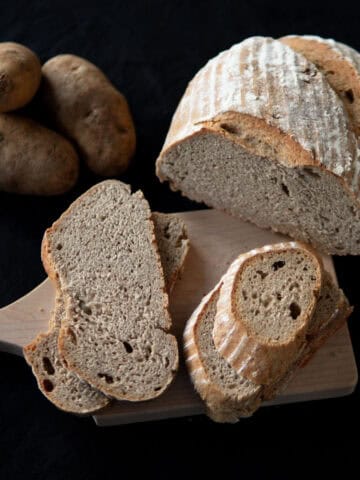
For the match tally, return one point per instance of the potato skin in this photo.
(20, 75)
(88, 109)
(33, 159)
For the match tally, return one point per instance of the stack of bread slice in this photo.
(113, 262)
(268, 314)
(268, 131)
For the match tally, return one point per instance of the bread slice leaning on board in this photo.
(261, 134)
(63, 387)
(339, 63)
(227, 393)
(115, 334)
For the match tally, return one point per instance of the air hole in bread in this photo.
(233, 129)
(254, 295)
(48, 385)
(106, 377)
(244, 294)
(48, 367)
(278, 296)
(128, 347)
(349, 94)
(278, 264)
(86, 309)
(59, 246)
(156, 389)
(266, 302)
(285, 189)
(295, 310)
(262, 274)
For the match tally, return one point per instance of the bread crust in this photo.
(339, 63)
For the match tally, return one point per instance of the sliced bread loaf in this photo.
(260, 134)
(227, 394)
(339, 63)
(267, 300)
(114, 334)
(63, 387)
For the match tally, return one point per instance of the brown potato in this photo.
(33, 159)
(20, 75)
(87, 108)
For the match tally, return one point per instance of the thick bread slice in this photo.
(260, 134)
(339, 63)
(265, 306)
(63, 387)
(115, 331)
(229, 396)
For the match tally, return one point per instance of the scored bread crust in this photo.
(63, 387)
(65, 335)
(225, 406)
(258, 360)
(339, 63)
(266, 85)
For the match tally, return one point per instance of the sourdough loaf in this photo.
(261, 134)
(339, 63)
(63, 387)
(267, 299)
(227, 394)
(114, 334)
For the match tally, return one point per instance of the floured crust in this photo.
(339, 63)
(263, 84)
(262, 362)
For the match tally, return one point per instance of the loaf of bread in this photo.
(227, 393)
(114, 334)
(63, 387)
(261, 134)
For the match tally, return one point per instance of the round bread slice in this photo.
(339, 63)
(260, 134)
(265, 306)
(60, 385)
(114, 334)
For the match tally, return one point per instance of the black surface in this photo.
(150, 50)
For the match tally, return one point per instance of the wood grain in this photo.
(216, 239)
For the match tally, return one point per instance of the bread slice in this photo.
(339, 63)
(227, 394)
(171, 237)
(63, 387)
(114, 334)
(267, 300)
(260, 134)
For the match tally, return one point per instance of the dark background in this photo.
(150, 50)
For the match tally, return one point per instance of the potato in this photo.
(87, 108)
(20, 75)
(33, 159)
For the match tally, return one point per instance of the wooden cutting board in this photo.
(216, 239)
